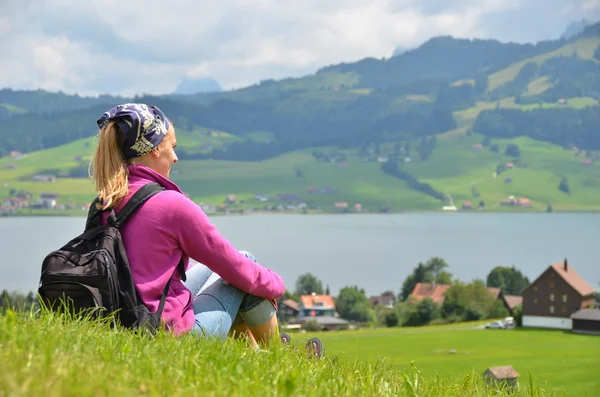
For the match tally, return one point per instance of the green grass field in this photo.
(466, 117)
(54, 356)
(455, 167)
(560, 360)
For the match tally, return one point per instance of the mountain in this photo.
(194, 86)
(575, 28)
(412, 112)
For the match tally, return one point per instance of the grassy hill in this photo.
(454, 167)
(50, 356)
(583, 48)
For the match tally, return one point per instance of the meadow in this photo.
(561, 361)
(52, 355)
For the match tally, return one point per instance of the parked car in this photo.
(495, 325)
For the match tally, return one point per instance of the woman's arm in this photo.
(200, 240)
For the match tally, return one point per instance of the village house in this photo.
(44, 178)
(46, 200)
(340, 206)
(387, 300)
(230, 199)
(10, 204)
(320, 309)
(519, 202)
(551, 300)
(288, 309)
(433, 291)
(314, 305)
(15, 154)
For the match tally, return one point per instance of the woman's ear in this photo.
(155, 153)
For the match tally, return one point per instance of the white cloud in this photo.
(110, 46)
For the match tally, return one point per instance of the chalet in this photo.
(230, 199)
(47, 200)
(387, 299)
(340, 205)
(551, 300)
(467, 205)
(511, 302)
(314, 305)
(502, 375)
(358, 207)
(433, 291)
(586, 321)
(44, 178)
(288, 308)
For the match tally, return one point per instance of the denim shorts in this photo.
(218, 306)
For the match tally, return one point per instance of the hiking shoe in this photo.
(285, 338)
(315, 348)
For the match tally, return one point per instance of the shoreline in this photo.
(67, 214)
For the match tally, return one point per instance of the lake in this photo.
(373, 251)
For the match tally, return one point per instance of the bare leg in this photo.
(243, 332)
(267, 332)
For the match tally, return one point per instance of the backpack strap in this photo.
(92, 219)
(117, 220)
(163, 298)
(143, 194)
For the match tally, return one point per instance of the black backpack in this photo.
(91, 272)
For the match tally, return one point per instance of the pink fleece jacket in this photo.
(170, 224)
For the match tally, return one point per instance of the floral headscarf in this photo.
(144, 127)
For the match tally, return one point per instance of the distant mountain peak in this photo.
(575, 28)
(194, 86)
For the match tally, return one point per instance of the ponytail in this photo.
(109, 167)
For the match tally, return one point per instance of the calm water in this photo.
(375, 252)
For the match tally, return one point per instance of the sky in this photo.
(133, 47)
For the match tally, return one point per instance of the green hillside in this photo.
(454, 167)
(583, 48)
(326, 137)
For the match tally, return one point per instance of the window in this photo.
(535, 288)
(535, 300)
(564, 309)
(564, 298)
(551, 297)
(551, 309)
(551, 284)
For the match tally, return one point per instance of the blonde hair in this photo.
(108, 168)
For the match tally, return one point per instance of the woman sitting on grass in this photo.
(136, 146)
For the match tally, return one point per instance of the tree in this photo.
(470, 301)
(353, 304)
(512, 150)
(432, 270)
(510, 279)
(307, 284)
(563, 186)
(391, 319)
(421, 314)
(495, 148)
